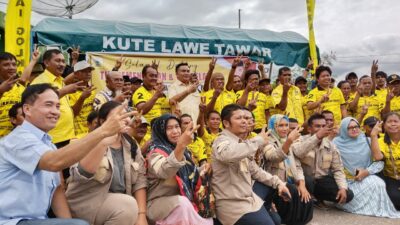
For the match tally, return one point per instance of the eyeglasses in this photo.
(353, 128)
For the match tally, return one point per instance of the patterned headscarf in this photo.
(273, 123)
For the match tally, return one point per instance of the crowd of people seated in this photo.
(238, 149)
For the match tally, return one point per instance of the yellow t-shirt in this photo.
(294, 107)
(306, 113)
(7, 100)
(208, 139)
(388, 170)
(64, 129)
(198, 149)
(225, 98)
(375, 106)
(263, 103)
(395, 104)
(142, 95)
(80, 120)
(336, 99)
(381, 93)
(165, 106)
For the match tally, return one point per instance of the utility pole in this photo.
(239, 19)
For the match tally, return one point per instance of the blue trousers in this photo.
(53, 222)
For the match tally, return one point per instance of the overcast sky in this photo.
(357, 31)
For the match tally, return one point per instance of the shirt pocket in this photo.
(326, 160)
(134, 172)
(103, 173)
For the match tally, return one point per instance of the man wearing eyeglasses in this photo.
(321, 163)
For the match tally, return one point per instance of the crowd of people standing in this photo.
(247, 150)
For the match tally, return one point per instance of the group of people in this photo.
(245, 151)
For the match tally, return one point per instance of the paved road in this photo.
(336, 217)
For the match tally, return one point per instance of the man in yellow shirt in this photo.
(11, 87)
(352, 78)
(392, 103)
(325, 98)
(380, 81)
(301, 83)
(147, 98)
(366, 103)
(219, 96)
(254, 100)
(287, 97)
(54, 62)
(82, 100)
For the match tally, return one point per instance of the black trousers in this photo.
(393, 190)
(325, 188)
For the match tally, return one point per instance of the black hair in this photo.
(363, 77)
(386, 138)
(247, 109)
(7, 56)
(381, 74)
(321, 69)
(32, 92)
(326, 112)
(315, 116)
(227, 111)
(144, 70)
(185, 115)
(339, 85)
(179, 65)
(249, 73)
(49, 54)
(211, 112)
(92, 116)
(351, 74)
(13, 112)
(105, 109)
(293, 120)
(281, 70)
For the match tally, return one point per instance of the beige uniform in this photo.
(163, 192)
(274, 158)
(86, 195)
(319, 159)
(234, 170)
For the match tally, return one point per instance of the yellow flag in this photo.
(311, 37)
(17, 31)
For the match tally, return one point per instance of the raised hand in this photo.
(136, 120)
(122, 96)
(246, 63)
(295, 134)
(377, 129)
(87, 91)
(364, 109)
(187, 136)
(236, 61)
(118, 62)
(261, 65)
(265, 134)
(374, 67)
(193, 87)
(155, 64)
(212, 63)
(253, 101)
(203, 106)
(116, 121)
(159, 91)
(390, 95)
(72, 88)
(8, 84)
(324, 132)
(75, 53)
(310, 64)
(35, 54)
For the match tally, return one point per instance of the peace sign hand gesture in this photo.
(187, 136)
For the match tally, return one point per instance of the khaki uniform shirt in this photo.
(190, 104)
(86, 195)
(234, 170)
(319, 159)
(274, 158)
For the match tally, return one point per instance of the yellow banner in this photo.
(132, 66)
(311, 37)
(17, 31)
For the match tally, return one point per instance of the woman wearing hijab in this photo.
(279, 160)
(108, 186)
(174, 180)
(370, 196)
